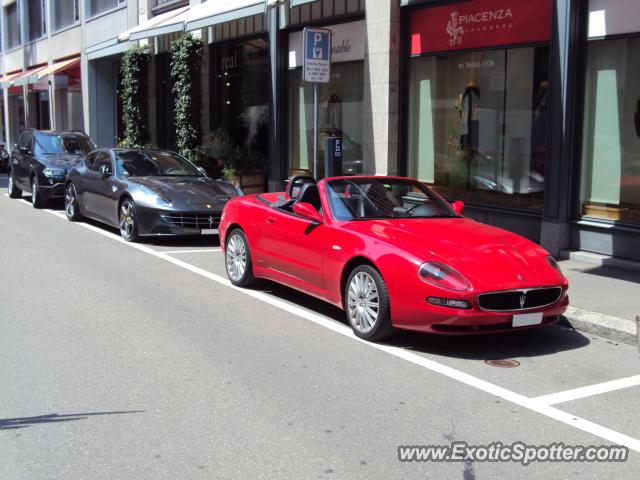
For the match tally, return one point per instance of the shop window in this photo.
(339, 114)
(241, 98)
(98, 6)
(12, 25)
(66, 12)
(478, 124)
(610, 186)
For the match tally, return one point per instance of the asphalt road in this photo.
(135, 362)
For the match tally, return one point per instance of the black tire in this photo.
(71, 207)
(237, 253)
(36, 197)
(12, 188)
(128, 220)
(356, 304)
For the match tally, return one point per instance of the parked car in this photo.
(41, 160)
(145, 192)
(4, 158)
(392, 254)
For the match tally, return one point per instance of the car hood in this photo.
(61, 160)
(481, 252)
(194, 192)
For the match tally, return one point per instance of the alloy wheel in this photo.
(127, 219)
(70, 200)
(236, 257)
(363, 302)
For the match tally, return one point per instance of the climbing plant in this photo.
(186, 53)
(133, 95)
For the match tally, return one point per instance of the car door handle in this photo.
(270, 220)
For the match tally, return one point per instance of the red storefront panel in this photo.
(479, 24)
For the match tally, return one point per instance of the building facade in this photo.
(527, 111)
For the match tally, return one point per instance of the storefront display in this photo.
(340, 102)
(610, 184)
(478, 100)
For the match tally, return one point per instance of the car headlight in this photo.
(443, 276)
(154, 198)
(54, 172)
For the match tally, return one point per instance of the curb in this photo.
(616, 329)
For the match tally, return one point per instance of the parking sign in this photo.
(317, 55)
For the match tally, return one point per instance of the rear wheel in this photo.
(366, 300)
(36, 196)
(71, 208)
(128, 221)
(12, 188)
(238, 259)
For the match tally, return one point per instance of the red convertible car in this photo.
(392, 254)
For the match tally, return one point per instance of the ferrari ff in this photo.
(392, 254)
(145, 192)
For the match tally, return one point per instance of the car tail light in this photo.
(442, 275)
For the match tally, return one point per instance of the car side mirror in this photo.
(105, 171)
(458, 206)
(308, 212)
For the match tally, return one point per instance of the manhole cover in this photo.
(503, 363)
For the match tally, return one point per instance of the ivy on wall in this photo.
(133, 94)
(186, 53)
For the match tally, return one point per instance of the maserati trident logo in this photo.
(211, 220)
(523, 299)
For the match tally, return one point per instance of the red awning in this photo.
(58, 67)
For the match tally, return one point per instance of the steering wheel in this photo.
(298, 179)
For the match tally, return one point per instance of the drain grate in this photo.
(502, 362)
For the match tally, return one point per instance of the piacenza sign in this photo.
(479, 23)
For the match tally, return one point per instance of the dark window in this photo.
(98, 6)
(69, 144)
(25, 140)
(66, 12)
(90, 160)
(103, 158)
(12, 25)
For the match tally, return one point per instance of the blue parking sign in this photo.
(317, 55)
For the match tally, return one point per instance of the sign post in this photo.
(317, 69)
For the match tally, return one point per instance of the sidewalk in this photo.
(604, 300)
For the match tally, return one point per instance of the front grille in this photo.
(198, 221)
(524, 299)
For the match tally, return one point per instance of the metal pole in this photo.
(315, 131)
(638, 331)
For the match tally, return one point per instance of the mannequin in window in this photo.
(469, 111)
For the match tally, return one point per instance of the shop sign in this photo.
(347, 44)
(479, 24)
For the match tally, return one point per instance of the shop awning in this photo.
(30, 76)
(58, 67)
(5, 80)
(212, 13)
(147, 29)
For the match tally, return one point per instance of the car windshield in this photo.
(372, 198)
(52, 143)
(147, 163)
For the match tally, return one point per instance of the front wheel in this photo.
(238, 259)
(12, 188)
(71, 208)
(36, 197)
(128, 221)
(366, 300)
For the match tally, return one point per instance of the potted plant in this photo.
(245, 169)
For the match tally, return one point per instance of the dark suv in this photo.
(40, 161)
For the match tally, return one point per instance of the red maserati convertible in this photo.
(392, 254)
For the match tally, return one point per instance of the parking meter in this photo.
(333, 156)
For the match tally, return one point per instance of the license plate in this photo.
(209, 231)
(525, 319)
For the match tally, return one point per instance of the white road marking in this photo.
(462, 377)
(173, 252)
(588, 391)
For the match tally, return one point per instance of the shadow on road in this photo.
(15, 423)
(523, 343)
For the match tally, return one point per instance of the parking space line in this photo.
(588, 391)
(413, 358)
(173, 252)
